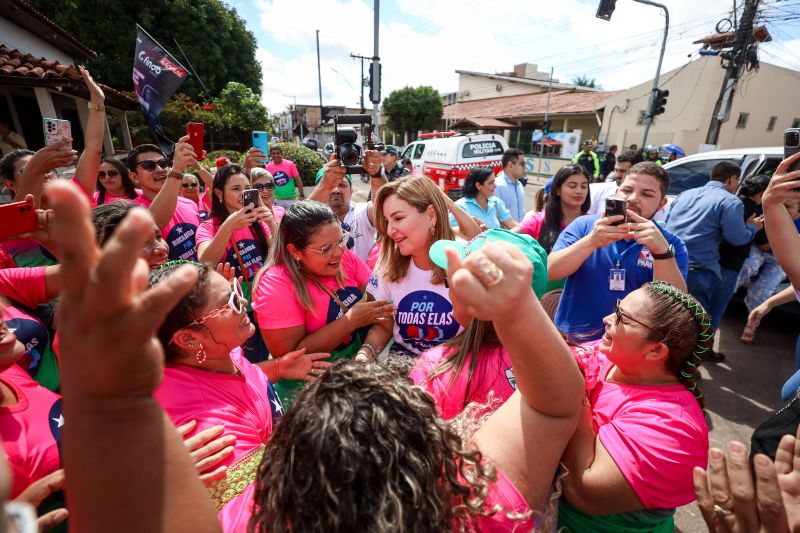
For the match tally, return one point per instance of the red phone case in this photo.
(17, 218)
(195, 132)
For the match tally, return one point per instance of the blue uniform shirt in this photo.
(705, 216)
(495, 213)
(587, 298)
(513, 195)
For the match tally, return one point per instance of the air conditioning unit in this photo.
(463, 94)
(498, 87)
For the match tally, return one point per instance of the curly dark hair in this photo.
(474, 177)
(363, 450)
(106, 218)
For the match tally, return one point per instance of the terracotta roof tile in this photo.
(16, 63)
(561, 102)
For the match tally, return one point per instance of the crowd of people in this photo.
(184, 348)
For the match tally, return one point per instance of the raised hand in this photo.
(184, 156)
(96, 94)
(298, 364)
(604, 232)
(783, 185)
(646, 233)
(365, 313)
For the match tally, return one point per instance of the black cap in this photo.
(390, 150)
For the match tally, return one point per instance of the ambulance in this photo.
(447, 157)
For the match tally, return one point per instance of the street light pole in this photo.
(294, 113)
(651, 105)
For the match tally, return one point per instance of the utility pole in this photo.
(319, 81)
(362, 58)
(653, 94)
(296, 114)
(546, 127)
(736, 61)
(376, 65)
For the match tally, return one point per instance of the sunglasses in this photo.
(111, 174)
(150, 166)
(620, 314)
(189, 185)
(264, 186)
(327, 250)
(234, 304)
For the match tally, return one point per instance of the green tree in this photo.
(240, 111)
(411, 109)
(585, 81)
(213, 36)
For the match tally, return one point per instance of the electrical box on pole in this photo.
(375, 83)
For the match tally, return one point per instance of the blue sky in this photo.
(425, 41)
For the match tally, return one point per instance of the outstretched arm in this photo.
(89, 162)
(781, 231)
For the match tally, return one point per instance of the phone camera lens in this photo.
(793, 138)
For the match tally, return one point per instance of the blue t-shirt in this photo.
(587, 297)
(496, 211)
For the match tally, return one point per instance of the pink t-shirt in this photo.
(372, 258)
(532, 223)
(30, 430)
(277, 213)
(284, 175)
(246, 405)
(180, 230)
(493, 376)
(111, 198)
(252, 252)
(655, 434)
(6, 261)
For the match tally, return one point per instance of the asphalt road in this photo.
(740, 392)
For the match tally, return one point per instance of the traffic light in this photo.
(375, 83)
(659, 102)
(605, 9)
(546, 127)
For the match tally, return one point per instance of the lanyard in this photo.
(619, 255)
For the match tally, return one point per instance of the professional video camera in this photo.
(346, 147)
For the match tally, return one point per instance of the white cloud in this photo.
(433, 38)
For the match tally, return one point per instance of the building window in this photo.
(742, 122)
(771, 125)
(796, 123)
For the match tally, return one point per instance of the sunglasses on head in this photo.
(264, 186)
(150, 166)
(189, 185)
(111, 174)
(234, 304)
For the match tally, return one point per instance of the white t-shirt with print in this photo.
(362, 232)
(424, 316)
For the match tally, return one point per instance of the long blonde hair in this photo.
(419, 192)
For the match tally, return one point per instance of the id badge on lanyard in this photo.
(616, 275)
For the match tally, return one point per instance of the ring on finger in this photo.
(488, 272)
(721, 511)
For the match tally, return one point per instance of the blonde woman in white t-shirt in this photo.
(410, 215)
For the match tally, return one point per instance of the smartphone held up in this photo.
(18, 218)
(195, 132)
(617, 206)
(57, 130)
(791, 145)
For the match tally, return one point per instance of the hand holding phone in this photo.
(261, 141)
(56, 130)
(616, 206)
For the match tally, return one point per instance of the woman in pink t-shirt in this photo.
(642, 431)
(361, 430)
(114, 183)
(207, 379)
(262, 180)
(311, 292)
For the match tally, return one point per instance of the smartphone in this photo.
(17, 218)
(56, 130)
(791, 145)
(250, 197)
(195, 132)
(615, 206)
(261, 141)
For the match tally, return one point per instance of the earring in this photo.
(200, 355)
(433, 230)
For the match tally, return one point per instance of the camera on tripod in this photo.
(346, 148)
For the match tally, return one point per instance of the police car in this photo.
(447, 157)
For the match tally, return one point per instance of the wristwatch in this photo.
(669, 254)
(96, 107)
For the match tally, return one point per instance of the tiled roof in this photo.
(561, 102)
(36, 23)
(483, 123)
(16, 63)
(25, 69)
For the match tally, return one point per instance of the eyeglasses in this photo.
(111, 174)
(150, 166)
(264, 186)
(189, 185)
(619, 314)
(234, 304)
(327, 250)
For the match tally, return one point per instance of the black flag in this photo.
(156, 77)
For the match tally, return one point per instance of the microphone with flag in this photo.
(156, 77)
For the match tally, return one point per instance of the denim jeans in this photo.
(722, 295)
(793, 383)
(768, 273)
(701, 283)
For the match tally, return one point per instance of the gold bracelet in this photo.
(96, 107)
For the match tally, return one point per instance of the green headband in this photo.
(705, 336)
(178, 262)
